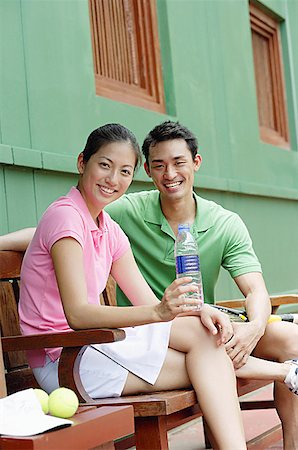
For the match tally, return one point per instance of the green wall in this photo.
(48, 107)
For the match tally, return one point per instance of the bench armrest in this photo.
(63, 339)
(276, 301)
(74, 344)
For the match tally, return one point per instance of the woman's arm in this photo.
(67, 256)
(17, 240)
(129, 278)
(131, 281)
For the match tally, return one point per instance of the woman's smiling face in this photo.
(106, 175)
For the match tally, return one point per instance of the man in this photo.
(150, 219)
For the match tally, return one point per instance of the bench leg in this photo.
(151, 433)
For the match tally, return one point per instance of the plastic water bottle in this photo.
(188, 261)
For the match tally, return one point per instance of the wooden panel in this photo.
(9, 323)
(108, 297)
(263, 80)
(10, 264)
(19, 379)
(94, 428)
(269, 76)
(18, 376)
(126, 51)
(3, 391)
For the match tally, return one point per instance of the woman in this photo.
(75, 247)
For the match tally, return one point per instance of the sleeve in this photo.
(239, 256)
(61, 222)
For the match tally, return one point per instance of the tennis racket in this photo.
(239, 315)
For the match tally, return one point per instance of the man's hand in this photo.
(246, 336)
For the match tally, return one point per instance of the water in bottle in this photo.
(188, 261)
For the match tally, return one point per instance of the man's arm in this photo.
(18, 240)
(257, 300)
(258, 307)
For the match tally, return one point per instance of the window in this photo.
(126, 52)
(268, 66)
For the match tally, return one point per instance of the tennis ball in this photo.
(43, 399)
(63, 402)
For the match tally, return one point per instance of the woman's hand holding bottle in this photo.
(175, 300)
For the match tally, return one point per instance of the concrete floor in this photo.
(190, 435)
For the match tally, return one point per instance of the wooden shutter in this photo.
(268, 67)
(126, 52)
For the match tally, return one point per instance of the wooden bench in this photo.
(93, 427)
(154, 413)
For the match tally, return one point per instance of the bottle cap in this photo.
(183, 226)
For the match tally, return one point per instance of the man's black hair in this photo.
(167, 131)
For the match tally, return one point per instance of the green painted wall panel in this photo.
(49, 186)
(14, 121)
(56, 57)
(27, 157)
(278, 7)
(4, 216)
(290, 29)
(275, 239)
(20, 195)
(6, 154)
(66, 163)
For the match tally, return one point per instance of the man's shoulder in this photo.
(133, 200)
(214, 209)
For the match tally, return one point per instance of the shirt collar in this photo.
(75, 195)
(204, 216)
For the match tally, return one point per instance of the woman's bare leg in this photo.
(212, 376)
(194, 358)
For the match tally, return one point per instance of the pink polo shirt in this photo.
(40, 306)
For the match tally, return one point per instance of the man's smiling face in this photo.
(172, 168)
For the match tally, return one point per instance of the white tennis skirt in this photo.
(104, 367)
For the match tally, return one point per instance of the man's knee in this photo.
(290, 347)
(280, 342)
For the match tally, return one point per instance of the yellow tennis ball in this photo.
(63, 402)
(43, 399)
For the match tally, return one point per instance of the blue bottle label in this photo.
(187, 264)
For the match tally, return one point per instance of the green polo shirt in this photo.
(222, 238)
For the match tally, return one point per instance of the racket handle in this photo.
(282, 317)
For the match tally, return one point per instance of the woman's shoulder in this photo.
(63, 217)
(64, 207)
